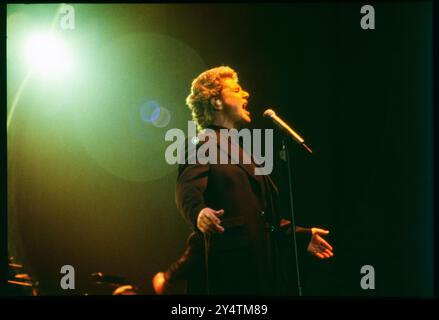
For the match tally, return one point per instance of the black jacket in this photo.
(248, 257)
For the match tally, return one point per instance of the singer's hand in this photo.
(318, 246)
(208, 220)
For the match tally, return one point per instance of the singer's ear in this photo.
(217, 104)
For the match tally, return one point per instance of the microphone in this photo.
(286, 128)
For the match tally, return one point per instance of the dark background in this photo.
(361, 98)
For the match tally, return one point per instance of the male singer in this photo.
(239, 241)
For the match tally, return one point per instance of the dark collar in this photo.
(215, 127)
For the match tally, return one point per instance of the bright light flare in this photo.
(47, 54)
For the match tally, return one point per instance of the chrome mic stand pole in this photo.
(285, 155)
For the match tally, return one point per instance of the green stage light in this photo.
(47, 54)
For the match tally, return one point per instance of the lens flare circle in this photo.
(150, 111)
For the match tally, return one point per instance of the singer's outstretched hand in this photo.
(208, 220)
(318, 246)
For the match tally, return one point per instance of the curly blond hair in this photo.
(205, 87)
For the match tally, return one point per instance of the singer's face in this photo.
(235, 102)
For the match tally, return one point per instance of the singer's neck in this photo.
(224, 124)
(222, 121)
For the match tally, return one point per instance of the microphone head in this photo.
(269, 113)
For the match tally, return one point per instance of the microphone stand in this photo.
(285, 155)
